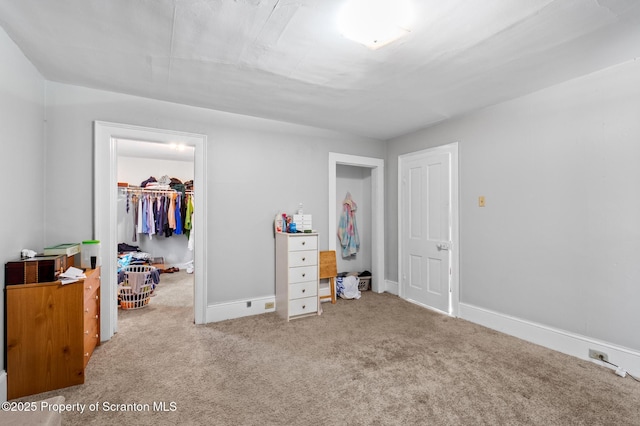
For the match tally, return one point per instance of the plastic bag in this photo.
(347, 287)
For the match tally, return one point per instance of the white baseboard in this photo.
(3, 386)
(552, 338)
(391, 287)
(239, 308)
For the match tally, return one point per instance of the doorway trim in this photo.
(454, 298)
(377, 210)
(105, 212)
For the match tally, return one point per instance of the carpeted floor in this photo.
(374, 361)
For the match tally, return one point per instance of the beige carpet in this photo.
(374, 361)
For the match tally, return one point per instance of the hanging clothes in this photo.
(134, 201)
(188, 214)
(160, 214)
(178, 214)
(190, 244)
(172, 211)
(140, 215)
(157, 214)
(183, 213)
(151, 222)
(347, 229)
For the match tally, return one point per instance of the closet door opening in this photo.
(155, 207)
(367, 174)
(105, 225)
(354, 183)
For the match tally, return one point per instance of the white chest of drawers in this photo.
(296, 275)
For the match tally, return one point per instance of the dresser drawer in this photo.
(303, 273)
(92, 307)
(91, 287)
(303, 258)
(91, 334)
(91, 340)
(300, 290)
(303, 243)
(306, 305)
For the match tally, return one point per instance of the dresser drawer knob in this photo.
(97, 336)
(304, 275)
(86, 310)
(87, 354)
(97, 317)
(304, 258)
(304, 289)
(86, 332)
(304, 242)
(304, 306)
(96, 297)
(89, 288)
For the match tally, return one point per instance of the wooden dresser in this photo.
(52, 330)
(296, 275)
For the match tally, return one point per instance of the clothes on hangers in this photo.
(347, 228)
(134, 201)
(139, 215)
(178, 214)
(190, 244)
(172, 212)
(157, 213)
(188, 217)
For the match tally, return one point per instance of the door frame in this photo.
(454, 283)
(105, 217)
(378, 282)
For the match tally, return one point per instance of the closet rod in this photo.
(154, 191)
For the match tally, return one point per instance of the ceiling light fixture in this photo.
(375, 23)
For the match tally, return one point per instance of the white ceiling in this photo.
(285, 59)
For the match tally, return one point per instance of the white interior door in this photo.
(426, 227)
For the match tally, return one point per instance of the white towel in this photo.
(137, 280)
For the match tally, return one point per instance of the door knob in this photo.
(442, 246)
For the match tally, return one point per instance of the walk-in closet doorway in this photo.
(165, 241)
(106, 136)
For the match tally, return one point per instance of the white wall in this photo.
(22, 135)
(558, 242)
(256, 168)
(135, 170)
(357, 181)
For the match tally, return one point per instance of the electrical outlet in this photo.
(598, 355)
(269, 305)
